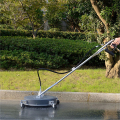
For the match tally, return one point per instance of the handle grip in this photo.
(108, 51)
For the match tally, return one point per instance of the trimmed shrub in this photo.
(45, 34)
(11, 32)
(44, 52)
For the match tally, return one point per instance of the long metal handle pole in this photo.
(66, 75)
(96, 53)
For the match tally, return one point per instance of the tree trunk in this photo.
(35, 34)
(115, 71)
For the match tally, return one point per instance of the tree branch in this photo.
(15, 21)
(41, 25)
(96, 8)
(27, 15)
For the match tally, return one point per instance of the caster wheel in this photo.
(54, 106)
(58, 102)
(22, 105)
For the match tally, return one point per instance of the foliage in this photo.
(20, 52)
(45, 34)
(75, 10)
(11, 32)
(78, 14)
(52, 33)
(72, 12)
(54, 29)
(53, 14)
(90, 37)
(109, 15)
(110, 12)
(23, 13)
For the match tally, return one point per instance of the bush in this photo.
(11, 32)
(51, 53)
(45, 34)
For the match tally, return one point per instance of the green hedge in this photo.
(62, 35)
(50, 34)
(11, 32)
(20, 52)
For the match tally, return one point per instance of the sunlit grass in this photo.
(83, 80)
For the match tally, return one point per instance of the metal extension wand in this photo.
(74, 68)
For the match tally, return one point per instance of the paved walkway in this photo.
(11, 110)
(64, 96)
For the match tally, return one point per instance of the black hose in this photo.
(67, 71)
(50, 71)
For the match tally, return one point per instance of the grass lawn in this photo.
(82, 80)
